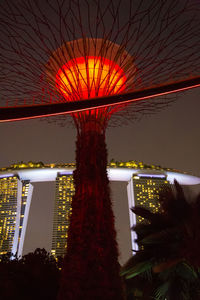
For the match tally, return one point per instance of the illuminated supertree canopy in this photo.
(162, 37)
(92, 68)
(90, 53)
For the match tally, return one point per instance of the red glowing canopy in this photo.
(90, 77)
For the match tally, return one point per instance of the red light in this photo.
(90, 77)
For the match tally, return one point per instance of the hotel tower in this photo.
(15, 199)
(143, 185)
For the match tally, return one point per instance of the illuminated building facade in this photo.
(15, 197)
(146, 191)
(143, 183)
(143, 190)
(62, 211)
(9, 219)
(26, 196)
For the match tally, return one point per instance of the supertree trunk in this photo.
(91, 268)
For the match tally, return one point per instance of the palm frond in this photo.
(186, 271)
(169, 242)
(161, 291)
(174, 204)
(137, 269)
(144, 213)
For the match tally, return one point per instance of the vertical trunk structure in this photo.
(91, 268)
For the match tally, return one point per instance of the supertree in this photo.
(70, 51)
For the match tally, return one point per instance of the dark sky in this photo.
(168, 138)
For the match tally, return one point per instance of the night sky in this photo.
(169, 138)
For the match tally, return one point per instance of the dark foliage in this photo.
(34, 276)
(167, 262)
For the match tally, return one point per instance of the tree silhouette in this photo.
(34, 276)
(169, 244)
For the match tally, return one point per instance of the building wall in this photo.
(13, 209)
(146, 191)
(27, 191)
(9, 187)
(143, 190)
(62, 211)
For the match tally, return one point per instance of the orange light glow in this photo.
(90, 77)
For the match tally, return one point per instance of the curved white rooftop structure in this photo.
(115, 173)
